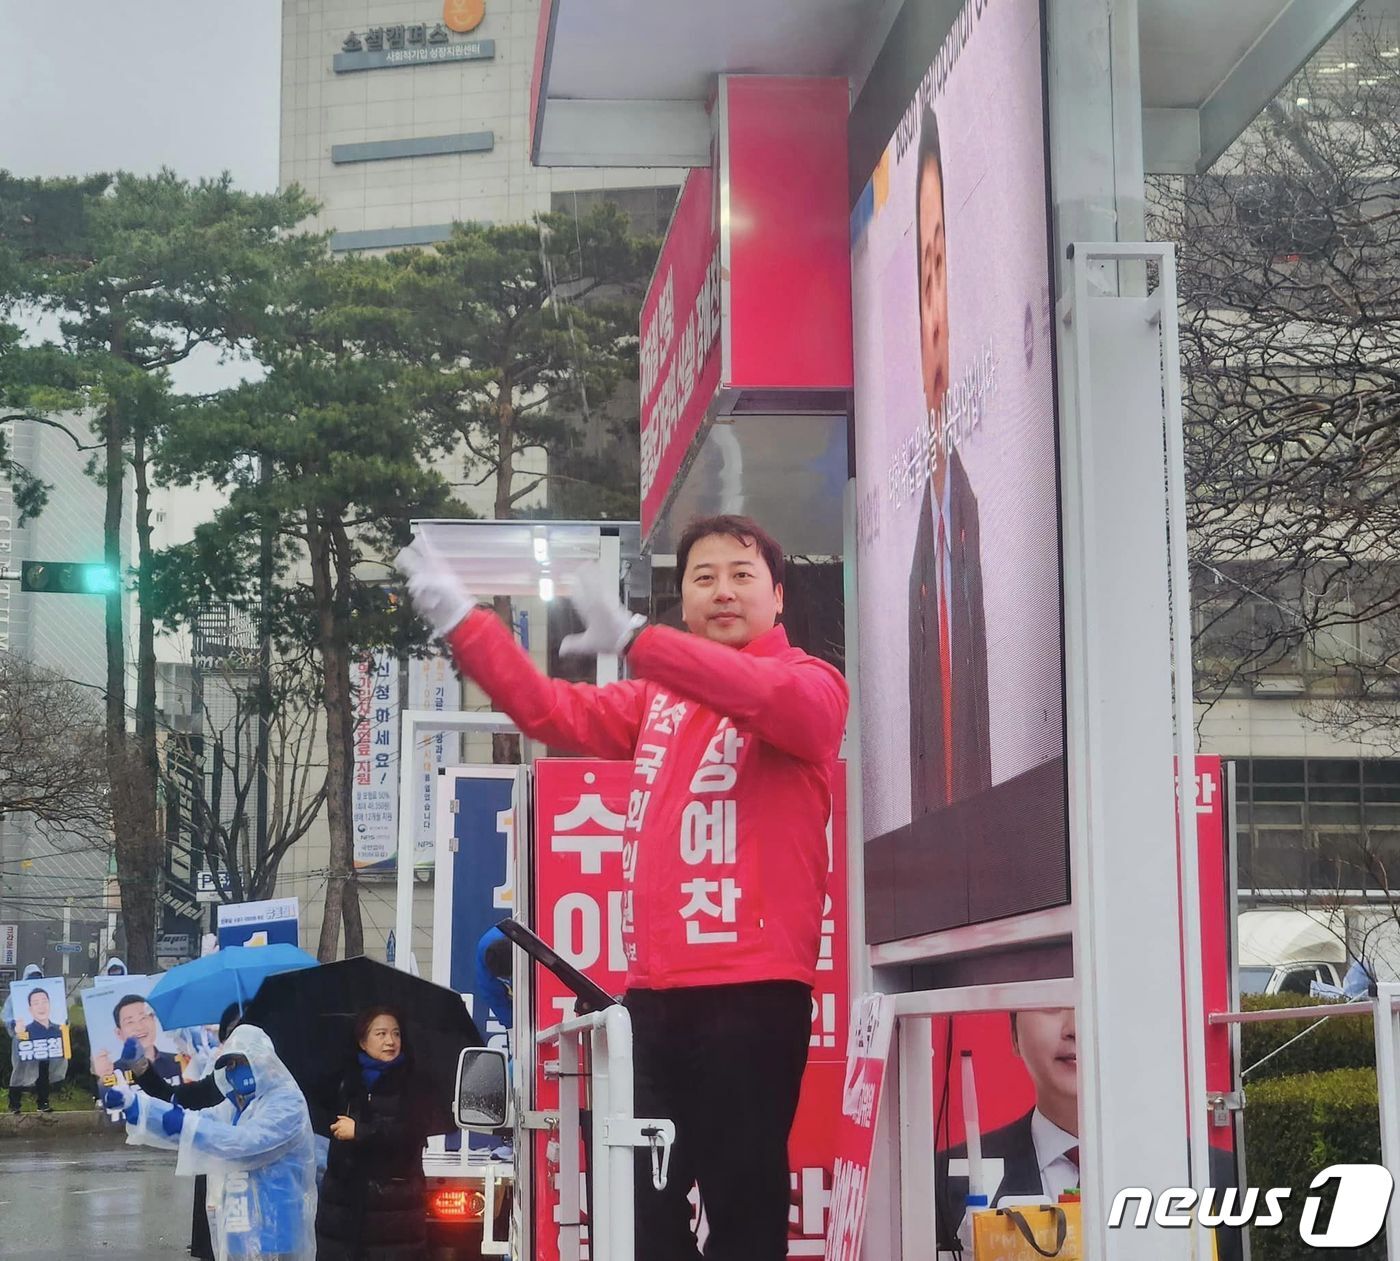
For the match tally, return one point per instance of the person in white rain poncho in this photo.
(256, 1147)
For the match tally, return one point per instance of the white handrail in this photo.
(616, 1132)
(1386, 1004)
(1366, 1007)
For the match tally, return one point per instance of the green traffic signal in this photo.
(68, 577)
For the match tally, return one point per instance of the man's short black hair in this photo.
(38, 989)
(930, 151)
(124, 1002)
(743, 530)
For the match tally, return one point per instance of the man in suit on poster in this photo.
(949, 745)
(1038, 1153)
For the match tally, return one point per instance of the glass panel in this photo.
(1285, 814)
(1298, 981)
(1383, 772)
(1333, 771)
(1255, 980)
(1278, 792)
(1334, 792)
(1281, 860)
(1278, 770)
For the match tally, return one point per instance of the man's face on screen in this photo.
(933, 287)
(1045, 1041)
(727, 592)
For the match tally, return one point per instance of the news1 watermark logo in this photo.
(1359, 1203)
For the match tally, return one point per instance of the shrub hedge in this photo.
(1341, 1042)
(1294, 1128)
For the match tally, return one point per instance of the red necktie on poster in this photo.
(1072, 1155)
(945, 668)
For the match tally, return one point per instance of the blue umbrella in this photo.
(198, 993)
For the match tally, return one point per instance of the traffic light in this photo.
(68, 577)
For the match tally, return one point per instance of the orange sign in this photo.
(463, 15)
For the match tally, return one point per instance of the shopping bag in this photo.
(1029, 1233)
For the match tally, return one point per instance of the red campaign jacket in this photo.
(724, 850)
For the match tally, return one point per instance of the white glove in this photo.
(608, 627)
(437, 594)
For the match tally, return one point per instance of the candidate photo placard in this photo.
(39, 1019)
(119, 1011)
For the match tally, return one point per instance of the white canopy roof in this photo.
(1207, 68)
(1268, 938)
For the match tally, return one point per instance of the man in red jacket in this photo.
(733, 735)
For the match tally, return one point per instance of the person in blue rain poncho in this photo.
(256, 1147)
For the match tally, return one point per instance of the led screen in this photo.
(961, 670)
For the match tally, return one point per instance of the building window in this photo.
(648, 210)
(1325, 824)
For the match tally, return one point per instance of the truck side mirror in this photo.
(483, 1096)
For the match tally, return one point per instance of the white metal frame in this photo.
(1133, 870)
(1388, 1089)
(911, 1105)
(1384, 1011)
(445, 851)
(414, 724)
(617, 1131)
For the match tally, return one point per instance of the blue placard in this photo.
(482, 893)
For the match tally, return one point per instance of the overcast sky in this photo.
(135, 85)
(103, 85)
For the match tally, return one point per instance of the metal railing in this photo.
(615, 1133)
(1384, 1011)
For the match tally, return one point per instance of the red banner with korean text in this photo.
(680, 339)
(580, 812)
(859, 1091)
(1214, 858)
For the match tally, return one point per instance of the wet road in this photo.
(91, 1197)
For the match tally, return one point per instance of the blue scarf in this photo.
(371, 1069)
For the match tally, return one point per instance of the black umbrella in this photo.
(310, 1017)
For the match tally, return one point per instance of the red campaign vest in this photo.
(733, 751)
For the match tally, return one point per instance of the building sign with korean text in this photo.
(407, 44)
(374, 687)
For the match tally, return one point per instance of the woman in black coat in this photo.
(373, 1201)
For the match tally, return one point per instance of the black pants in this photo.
(201, 1243)
(725, 1063)
(41, 1089)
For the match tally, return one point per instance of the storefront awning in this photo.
(1207, 69)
